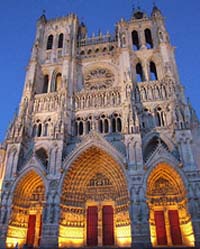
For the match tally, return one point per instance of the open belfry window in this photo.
(50, 42)
(135, 40)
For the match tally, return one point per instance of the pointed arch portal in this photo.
(26, 215)
(170, 222)
(94, 202)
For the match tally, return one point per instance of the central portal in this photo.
(94, 202)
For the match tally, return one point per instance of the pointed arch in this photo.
(135, 40)
(167, 201)
(45, 84)
(147, 138)
(28, 181)
(94, 153)
(49, 42)
(56, 81)
(153, 71)
(27, 203)
(152, 146)
(148, 38)
(92, 177)
(165, 170)
(60, 40)
(94, 139)
(139, 73)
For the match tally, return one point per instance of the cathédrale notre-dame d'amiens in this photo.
(104, 150)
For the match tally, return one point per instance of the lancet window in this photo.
(139, 73)
(153, 71)
(135, 40)
(60, 40)
(116, 123)
(103, 123)
(45, 84)
(160, 117)
(148, 38)
(50, 42)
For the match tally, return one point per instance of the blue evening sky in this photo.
(17, 27)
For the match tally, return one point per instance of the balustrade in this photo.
(108, 38)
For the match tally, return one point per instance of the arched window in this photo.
(139, 73)
(135, 40)
(43, 156)
(58, 82)
(45, 84)
(39, 130)
(148, 38)
(106, 126)
(88, 126)
(116, 123)
(60, 41)
(50, 42)
(160, 117)
(81, 128)
(101, 126)
(82, 52)
(119, 125)
(153, 71)
(113, 125)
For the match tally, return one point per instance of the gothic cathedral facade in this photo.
(104, 150)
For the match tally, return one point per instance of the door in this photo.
(175, 227)
(92, 226)
(31, 230)
(160, 228)
(108, 231)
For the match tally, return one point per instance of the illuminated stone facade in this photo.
(104, 150)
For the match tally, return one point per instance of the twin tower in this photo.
(104, 149)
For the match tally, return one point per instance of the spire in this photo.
(43, 16)
(156, 11)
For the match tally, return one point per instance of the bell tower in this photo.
(158, 108)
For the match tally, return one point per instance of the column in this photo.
(139, 222)
(50, 228)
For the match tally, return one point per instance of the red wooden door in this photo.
(160, 228)
(175, 227)
(92, 226)
(108, 229)
(31, 230)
